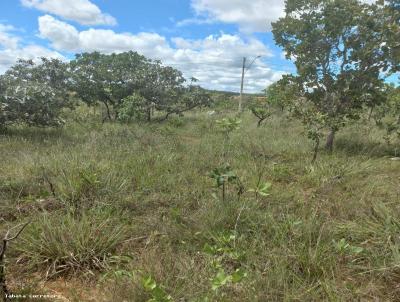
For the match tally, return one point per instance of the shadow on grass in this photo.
(36, 134)
(352, 146)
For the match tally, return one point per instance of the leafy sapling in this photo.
(158, 294)
(222, 251)
(228, 125)
(262, 189)
(223, 176)
(261, 113)
(343, 247)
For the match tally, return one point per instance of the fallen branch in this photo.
(7, 238)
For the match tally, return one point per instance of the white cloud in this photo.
(11, 49)
(65, 37)
(7, 40)
(215, 60)
(81, 11)
(8, 57)
(251, 16)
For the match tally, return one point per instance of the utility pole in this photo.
(244, 70)
(241, 86)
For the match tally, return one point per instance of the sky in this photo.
(205, 39)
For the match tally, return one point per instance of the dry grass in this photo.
(151, 181)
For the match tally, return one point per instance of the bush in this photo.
(65, 245)
(34, 94)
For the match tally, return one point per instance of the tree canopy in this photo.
(340, 56)
(35, 94)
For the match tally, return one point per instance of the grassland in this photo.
(111, 205)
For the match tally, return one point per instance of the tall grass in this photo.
(69, 245)
(327, 231)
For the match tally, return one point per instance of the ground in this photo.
(130, 212)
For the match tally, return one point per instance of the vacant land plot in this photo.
(134, 212)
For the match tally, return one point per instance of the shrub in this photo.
(64, 245)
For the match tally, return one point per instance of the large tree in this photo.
(107, 79)
(124, 81)
(34, 94)
(339, 55)
(388, 14)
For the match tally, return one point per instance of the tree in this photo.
(107, 79)
(338, 53)
(190, 97)
(280, 94)
(161, 88)
(261, 110)
(387, 116)
(117, 80)
(388, 15)
(35, 94)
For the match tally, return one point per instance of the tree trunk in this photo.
(370, 113)
(260, 122)
(3, 285)
(316, 148)
(108, 111)
(149, 114)
(329, 140)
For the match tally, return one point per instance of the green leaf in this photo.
(238, 275)
(220, 279)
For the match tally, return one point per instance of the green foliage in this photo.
(343, 72)
(387, 115)
(223, 176)
(222, 279)
(107, 79)
(222, 252)
(343, 247)
(130, 85)
(262, 189)
(228, 125)
(157, 293)
(281, 94)
(35, 94)
(133, 107)
(261, 110)
(67, 245)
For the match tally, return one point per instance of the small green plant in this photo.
(262, 189)
(228, 125)
(262, 112)
(223, 176)
(157, 293)
(222, 278)
(223, 254)
(345, 248)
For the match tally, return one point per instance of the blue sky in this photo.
(204, 38)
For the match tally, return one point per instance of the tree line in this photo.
(129, 85)
(343, 51)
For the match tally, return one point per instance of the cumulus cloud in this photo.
(215, 60)
(11, 49)
(7, 40)
(251, 16)
(81, 11)
(65, 37)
